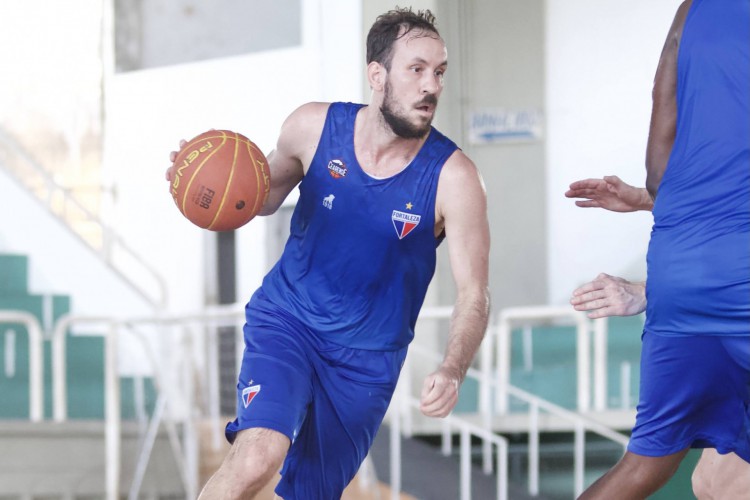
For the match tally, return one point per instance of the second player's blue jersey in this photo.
(699, 254)
(361, 252)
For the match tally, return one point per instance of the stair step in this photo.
(46, 459)
(14, 272)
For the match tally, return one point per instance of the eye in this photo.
(416, 69)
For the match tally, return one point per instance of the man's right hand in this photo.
(610, 193)
(610, 296)
(169, 174)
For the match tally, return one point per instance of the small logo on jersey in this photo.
(328, 201)
(404, 223)
(337, 169)
(248, 393)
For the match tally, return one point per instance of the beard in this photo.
(399, 124)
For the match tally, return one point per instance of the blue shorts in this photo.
(694, 393)
(327, 399)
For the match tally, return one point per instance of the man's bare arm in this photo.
(664, 110)
(462, 208)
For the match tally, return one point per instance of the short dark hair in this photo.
(391, 26)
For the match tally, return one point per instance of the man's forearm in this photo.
(468, 326)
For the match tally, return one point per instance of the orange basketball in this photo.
(221, 180)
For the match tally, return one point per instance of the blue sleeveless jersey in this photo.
(361, 252)
(699, 255)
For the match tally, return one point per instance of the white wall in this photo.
(149, 111)
(60, 263)
(601, 59)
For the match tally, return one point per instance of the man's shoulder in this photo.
(310, 111)
(459, 169)
(312, 115)
(307, 119)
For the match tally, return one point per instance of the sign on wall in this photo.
(500, 125)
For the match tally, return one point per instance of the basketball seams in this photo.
(228, 183)
(200, 165)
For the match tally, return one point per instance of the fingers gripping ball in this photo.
(221, 180)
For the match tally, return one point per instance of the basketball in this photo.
(221, 180)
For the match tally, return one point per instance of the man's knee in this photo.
(256, 455)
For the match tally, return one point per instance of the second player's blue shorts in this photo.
(327, 399)
(694, 393)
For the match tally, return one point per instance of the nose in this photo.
(431, 83)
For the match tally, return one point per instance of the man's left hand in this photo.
(439, 393)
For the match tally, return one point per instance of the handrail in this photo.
(580, 423)
(466, 430)
(59, 361)
(503, 388)
(544, 313)
(601, 332)
(59, 391)
(112, 387)
(36, 363)
(589, 423)
(488, 384)
(156, 292)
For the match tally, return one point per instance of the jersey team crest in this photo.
(404, 223)
(248, 393)
(337, 169)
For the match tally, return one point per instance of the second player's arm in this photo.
(663, 125)
(462, 206)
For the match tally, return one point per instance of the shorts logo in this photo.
(328, 201)
(337, 169)
(248, 393)
(404, 223)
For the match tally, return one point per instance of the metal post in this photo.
(111, 415)
(534, 449)
(465, 464)
(600, 364)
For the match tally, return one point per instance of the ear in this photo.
(376, 75)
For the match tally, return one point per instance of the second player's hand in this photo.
(610, 296)
(439, 393)
(610, 193)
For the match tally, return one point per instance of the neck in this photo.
(375, 142)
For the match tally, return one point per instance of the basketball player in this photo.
(328, 330)
(716, 476)
(695, 378)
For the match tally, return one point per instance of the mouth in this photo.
(427, 105)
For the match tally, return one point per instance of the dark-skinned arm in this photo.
(664, 111)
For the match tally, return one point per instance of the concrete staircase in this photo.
(66, 461)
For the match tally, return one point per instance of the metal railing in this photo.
(466, 430)
(531, 315)
(494, 447)
(494, 378)
(36, 360)
(187, 454)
